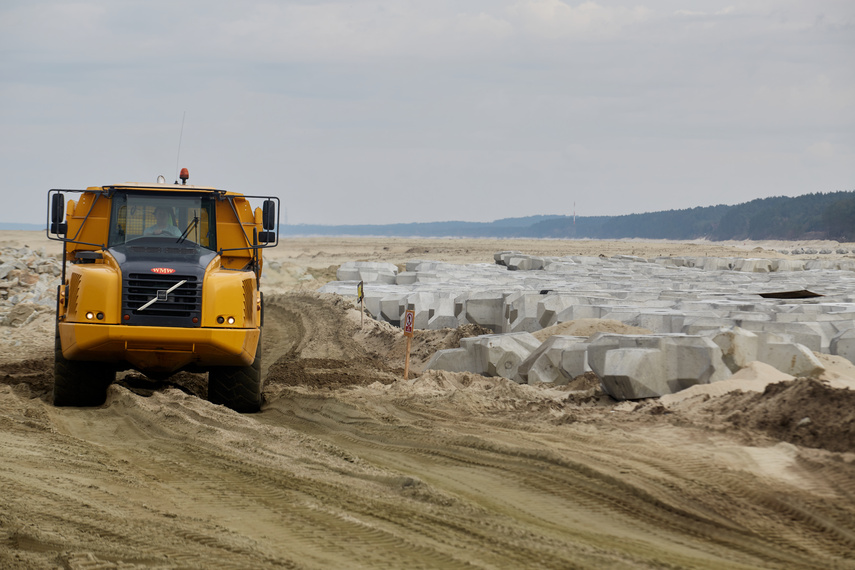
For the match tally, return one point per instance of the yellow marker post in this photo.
(361, 296)
(409, 319)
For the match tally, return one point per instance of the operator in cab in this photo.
(164, 225)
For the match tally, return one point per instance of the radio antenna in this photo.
(180, 135)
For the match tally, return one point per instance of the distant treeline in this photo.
(812, 216)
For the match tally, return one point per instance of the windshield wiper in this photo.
(193, 223)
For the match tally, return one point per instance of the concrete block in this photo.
(372, 304)
(557, 361)
(392, 307)
(522, 262)
(418, 265)
(662, 321)
(781, 265)
(501, 257)
(601, 343)
(345, 273)
(647, 366)
(738, 346)
(520, 311)
(423, 304)
(790, 358)
(626, 315)
(753, 265)
(485, 309)
(551, 304)
(692, 360)
(633, 373)
(843, 344)
(501, 354)
(810, 335)
(368, 271)
(406, 278)
(579, 312)
(560, 267)
(454, 360)
(631, 258)
(717, 264)
(574, 360)
(818, 264)
(443, 316)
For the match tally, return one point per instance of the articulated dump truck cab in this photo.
(160, 278)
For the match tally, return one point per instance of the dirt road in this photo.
(350, 466)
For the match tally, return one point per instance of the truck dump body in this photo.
(159, 278)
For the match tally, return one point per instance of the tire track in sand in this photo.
(675, 501)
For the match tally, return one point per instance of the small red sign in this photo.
(409, 319)
(162, 270)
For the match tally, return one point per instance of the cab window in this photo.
(185, 218)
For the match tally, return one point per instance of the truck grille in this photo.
(177, 309)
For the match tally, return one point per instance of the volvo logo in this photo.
(162, 270)
(162, 295)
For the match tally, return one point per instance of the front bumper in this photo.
(158, 349)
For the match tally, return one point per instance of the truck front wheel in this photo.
(78, 383)
(237, 387)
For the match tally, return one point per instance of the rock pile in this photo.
(28, 281)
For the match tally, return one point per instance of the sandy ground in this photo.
(350, 466)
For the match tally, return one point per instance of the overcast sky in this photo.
(412, 111)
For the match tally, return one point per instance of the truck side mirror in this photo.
(57, 214)
(268, 215)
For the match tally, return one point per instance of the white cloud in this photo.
(693, 14)
(554, 19)
(822, 150)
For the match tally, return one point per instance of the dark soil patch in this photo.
(327, 373)
(804, 412)
(195, 384)
(36, 374)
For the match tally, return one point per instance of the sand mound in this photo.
(323, 343)
(804, 411)
(587, 327)
(753, 378)
(839, 372)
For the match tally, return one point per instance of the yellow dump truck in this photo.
(160, 278)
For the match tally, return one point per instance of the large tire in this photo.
(78, 383)
(237, 387)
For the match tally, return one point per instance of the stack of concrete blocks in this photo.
(498, 355)
(686, 295)
(368, 271)
(631, 367)
(740, 346)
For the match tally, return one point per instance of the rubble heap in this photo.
(28, 282)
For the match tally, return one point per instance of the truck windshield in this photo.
(188, 219)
